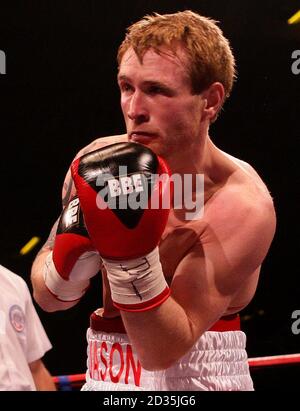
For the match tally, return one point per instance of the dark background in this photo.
(60, 93)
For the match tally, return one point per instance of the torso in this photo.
(180, 235)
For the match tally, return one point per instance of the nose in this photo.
(137, 110)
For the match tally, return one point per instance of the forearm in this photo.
(160, 336)
(62, 270)
(128, 244)
(41, 294)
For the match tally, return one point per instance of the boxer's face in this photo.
(158, 106)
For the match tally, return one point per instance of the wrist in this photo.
(63, 289)
(137, 284)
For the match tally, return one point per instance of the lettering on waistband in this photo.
(113, 362)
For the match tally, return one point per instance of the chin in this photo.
(155, 147)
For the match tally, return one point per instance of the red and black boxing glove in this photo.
(124, 192)
(73, 260)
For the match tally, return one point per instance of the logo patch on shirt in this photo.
(17, 318)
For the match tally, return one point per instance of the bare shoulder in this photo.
(102, 142)
(241, 191)
(248, 171)
(241, 201)
(241, 216)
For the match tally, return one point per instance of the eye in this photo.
(158, 89)
(154, 89)
(125, 87)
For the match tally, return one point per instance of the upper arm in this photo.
(41, 376)
(223, 260)
(35, 366)
(68, 189)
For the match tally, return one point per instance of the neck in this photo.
(195, 158)
(204, 159)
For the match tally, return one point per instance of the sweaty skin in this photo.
(211, 263)
(181, 235)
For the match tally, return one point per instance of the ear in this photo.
(214, 96)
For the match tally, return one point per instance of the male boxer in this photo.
(179, 328)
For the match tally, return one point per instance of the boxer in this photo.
(178, 328)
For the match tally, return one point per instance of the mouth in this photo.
(141, 136)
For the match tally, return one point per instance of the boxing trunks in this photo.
(217, 361)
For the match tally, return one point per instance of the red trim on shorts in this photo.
(227, 323)
(107, 325)
(115, 325)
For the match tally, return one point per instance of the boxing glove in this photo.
(73, 260)
(124, 192)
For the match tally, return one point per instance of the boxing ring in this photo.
(275, 362)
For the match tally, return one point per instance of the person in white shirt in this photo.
(23, 340)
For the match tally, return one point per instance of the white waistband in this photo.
(217, 361)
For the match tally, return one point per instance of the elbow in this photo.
(166, 355)
(44, 303)
(50, 304)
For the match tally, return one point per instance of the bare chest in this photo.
(178, 238)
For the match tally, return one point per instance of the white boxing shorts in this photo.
(217, 362)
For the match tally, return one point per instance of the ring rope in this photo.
(275, 360)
